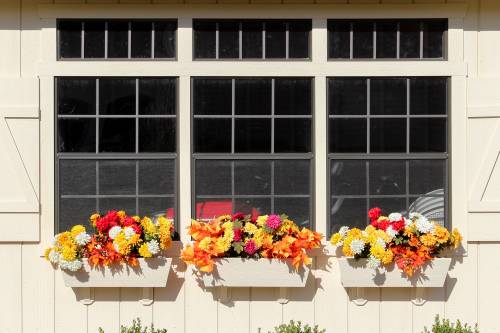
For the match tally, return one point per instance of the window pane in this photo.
(348, 177)
(297, 209)
(431, 207)
(253, 96)
(212, 96)
(427, 176)
(275, 39)
(434, 33)
(157, 96)
(347, 96)
(339, 39)
(204, 39)
(390, 205)
(299, 39)
(387, 177)
(292, 96)
(252, 39)
(141, 39)
(156, 177)
(388, 96)
(76, 135)
(409, 39)
(156, 207)
(70, 39)
(117, 39)
(212, 135)
(292, 135)
(252, 206)
(428, 135)
(75, 211)
(207, 209)
(252, 136)
(157, 135)
(348, 211)
(428, 96)
(213, 177)
(77, 177)
(76, 96)
(363, 40)
(117, 177)
(116, 135)
(165, 39)
(388, 135)
(126, 204)
(116, 96)
(94, 39)
(252, 177)
(386, 39)
(347, 135)
(229, 40)
(292, 177)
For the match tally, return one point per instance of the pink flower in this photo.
(250, 247)
(273, 222)
(237, 235)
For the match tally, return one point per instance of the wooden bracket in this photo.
(147, 296)
(357, 296)
(85, 295)
(283, 295)
(224, 294)
(418, 296)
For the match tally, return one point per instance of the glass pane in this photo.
(339, 39)
(165, 39)
(94, 39)
(157, 96)
(428, 135)
(75, 211)
(70, 39)
(388, 96)
(292, 177)
(362, 39)
(117, 39)
(141, 39)
(76, 135)
(229, 40)
(409, 39)
(213, 177)
(117, 177)
(348, 177)
(252, 206)
(292, 135)
(431, 207)
(77, 177)
(434, 33)
(204, 39)
(386, 39)
(347, 135)
(126, 204)
(292, 96)
(297, 209)
(298, 39)
(253, 96)
(388, 135)
(207, 209)
(212, 96)
(252, 177)
(156, 177)
(252, 39)
(157, 135)
(390, 205)
(156, 207)
(76, 96)
(348, 211)
(347, 96)
(387, 177)
(427, 176)
(212, 135)
(116, 96)
(275, 39)
(116, 135)
(428, 96)
(252, 136)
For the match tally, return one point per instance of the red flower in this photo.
(137, 228)
(237, 235)
(128, 221)
(253, 220)
(374, 213)
(238, 216)
(250, 247)
(398, 225)
(384, 224)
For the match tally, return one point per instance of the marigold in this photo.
(428, 240)
(144, 251)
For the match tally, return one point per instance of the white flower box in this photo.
(355, 274)
(151, 272)
(240, 272)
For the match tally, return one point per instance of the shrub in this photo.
(137, 328)
(293, 327)
(444, 326)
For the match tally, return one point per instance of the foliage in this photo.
(444, 326)
(294, 327)
(137, 328)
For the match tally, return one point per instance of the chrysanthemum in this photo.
(336, 239)
(357, 246)
(72, 266)
(391, 232)
(373, 262)
(128, 232)
(423, 225)
(144, 251)
(343, 231)
(82, 239)
(153, 247)
(54, 256)
(273, 222)
(250, 247)
(394, 217)
(261, 220)
(113, 232)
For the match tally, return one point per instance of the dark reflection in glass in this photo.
(292, 96)
(348, 177)
(76, 135)
(70, 39)
(427, 176)
(428, 135)
(434, 34)
(76, 96)
(116, 135)
(386, 39)
(157, 96)
(388, 96)
(94, 39)
(387, 135)
(348, 211)
(292, 180)
(339, 39)
(75, 211)
(157, 135)
(117, 177)
(297, 209)
(252, 39)
(204, 39)
(253, 96)
(212, 96)
(213, 177)
(165, 39)
(275, 39)
(252, 177)
(229, 40)
(387, 177)
(116, 96)
(298, 40)
(212, 135)
(156, 177)
(347, 135)
(77, 177)
(118, 39)
(428, 96)
(409, 39)
(252, 136)
(362, 39)
(141, 39)
(292, 135)
(347, 96)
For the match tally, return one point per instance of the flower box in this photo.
(241, 272)
(355, 273)
(149, 273)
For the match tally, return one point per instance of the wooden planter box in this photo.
(239, 272)
(355, 274)
(151, 272)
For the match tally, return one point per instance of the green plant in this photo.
(294, 327)
(444, 326)
(137, 328)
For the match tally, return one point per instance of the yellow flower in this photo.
(148, 226)
(121, 214)
(377, 251)
(69, 253)
(222, 245)
(428, 240)
(442, 234)
(261, 220)
(260, 237)
(336, 239)
(285, 226)
(94, 218)
(387, 257)
(227, 225)
(144, 251)
(457, 238)
(136, 218)
(46, 253)
(250, 228)
(224, 218)
(205, 244)
(135, 239)
(165, 226)
(76, 230)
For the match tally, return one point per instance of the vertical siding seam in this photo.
(22, 298)
(478, 287)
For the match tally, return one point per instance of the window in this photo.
(388, 147)
(116, 146)
(116, 39)
(252, 39)
(387, 39)
(252, 146)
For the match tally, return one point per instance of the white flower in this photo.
(54, 256)
(113, 232)
(394, 217)
(407, 222)
(82, 238)
(424, 225)
(153, 246)
(391, 232)
(357, 246)
(381, 242)
(343, 231)
(116, 247)
(364, 233)
(129, 232)
(72, 266)
(373, 262)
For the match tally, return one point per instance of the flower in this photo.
(114, 231)
(144, 251)
(394, 217)
(73, 265)
(250, 247)
(237, 235)
(273, 222)
(82, 238)
(53, 256)
(343, 231)
(391, 232)
(261, 220)
(336, 239)
(238, 216)
(457, 238)
(129, 232)
(153, 246)
(374, 213)
(357, 246)
(424, 225)
(373, 262)
(76, 230)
